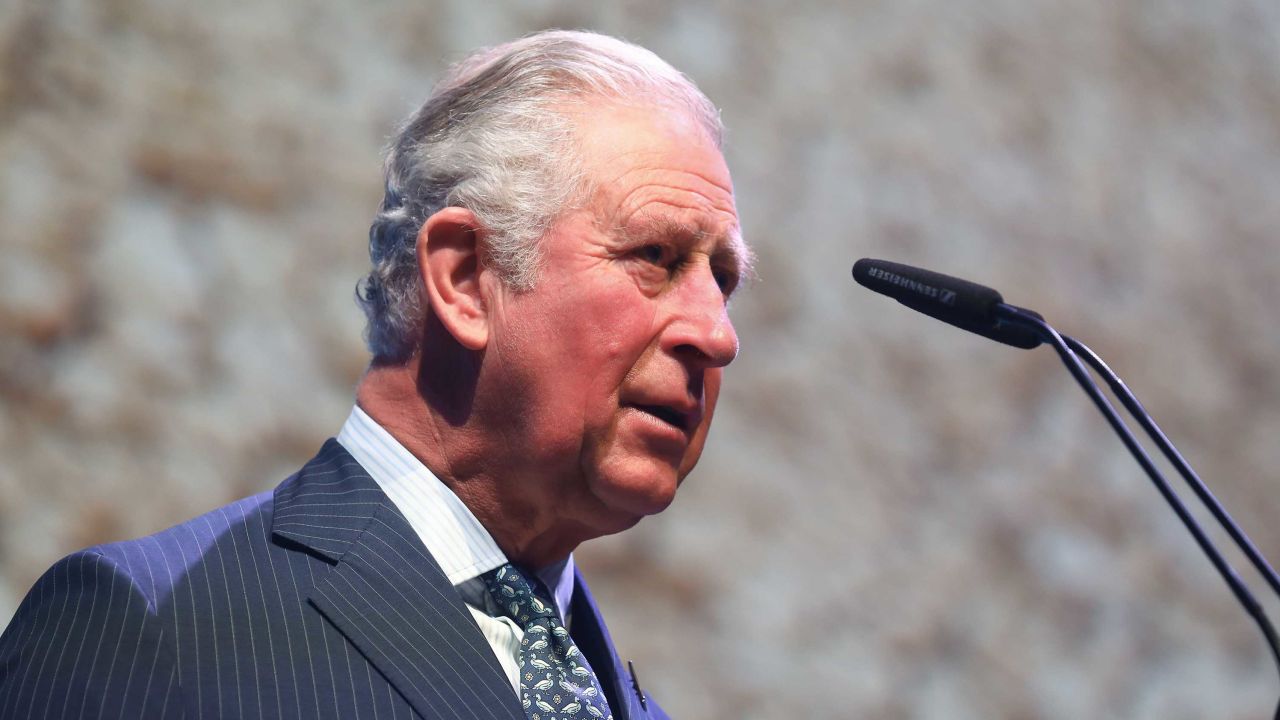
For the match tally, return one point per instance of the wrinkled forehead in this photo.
(651, 171)
(674, 182)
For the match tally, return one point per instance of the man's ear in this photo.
(449, 261)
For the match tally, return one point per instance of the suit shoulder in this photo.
(85, 641)
(156, 563)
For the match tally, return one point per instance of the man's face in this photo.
(615, 357)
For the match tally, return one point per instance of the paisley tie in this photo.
(556, 683)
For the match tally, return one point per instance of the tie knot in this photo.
(517, 595)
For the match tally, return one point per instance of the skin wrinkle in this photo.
(628, 206)
(695, 199)
(658, 230)
(625, 202)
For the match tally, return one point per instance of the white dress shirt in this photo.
(453, 535)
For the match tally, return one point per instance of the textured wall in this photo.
(894, 519)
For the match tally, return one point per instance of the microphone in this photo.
(982, 310)
(961, 303)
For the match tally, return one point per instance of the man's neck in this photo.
(470, 464)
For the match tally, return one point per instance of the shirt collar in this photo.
(451, 533)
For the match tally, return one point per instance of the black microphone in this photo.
(982, 310)
(966, 305)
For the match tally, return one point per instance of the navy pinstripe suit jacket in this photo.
(316, 600)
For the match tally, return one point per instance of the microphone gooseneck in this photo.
(982, 310)
(1131, 403)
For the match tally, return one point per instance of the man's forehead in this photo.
(659, 176)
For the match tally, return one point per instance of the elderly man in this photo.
(547, 318)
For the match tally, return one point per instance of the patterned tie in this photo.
(556, 683)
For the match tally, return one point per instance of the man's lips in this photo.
(686, 420)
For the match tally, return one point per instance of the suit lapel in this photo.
(592, 638)
(387, 595)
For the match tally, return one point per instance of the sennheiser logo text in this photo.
(946, 297)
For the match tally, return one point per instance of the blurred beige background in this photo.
(894, 519)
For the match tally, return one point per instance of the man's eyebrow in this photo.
(729, 245)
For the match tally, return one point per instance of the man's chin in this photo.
(635, 490)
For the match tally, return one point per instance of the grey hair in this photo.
(493, 138)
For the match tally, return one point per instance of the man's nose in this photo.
(701, 331)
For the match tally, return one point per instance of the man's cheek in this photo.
(711, 390)
(710, 394)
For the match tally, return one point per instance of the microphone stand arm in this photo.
(1010, 313)
(1131, 403)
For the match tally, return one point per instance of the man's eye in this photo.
(655, 254)
(726, 279)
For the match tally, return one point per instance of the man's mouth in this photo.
(667, 414)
